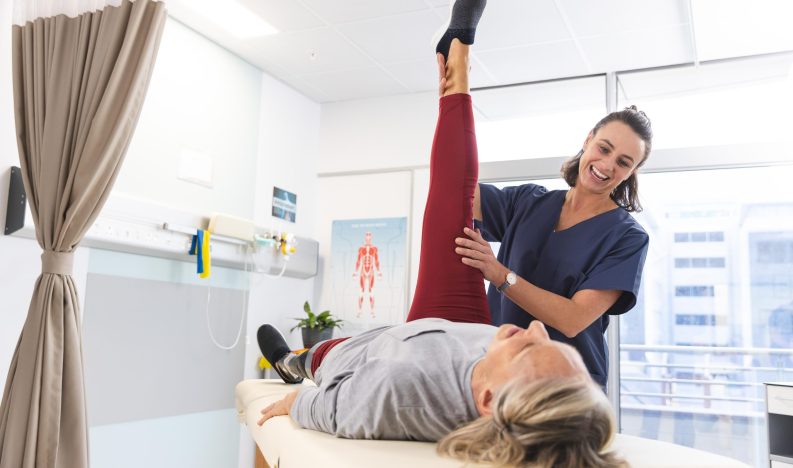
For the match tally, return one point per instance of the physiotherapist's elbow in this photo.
(571, 331)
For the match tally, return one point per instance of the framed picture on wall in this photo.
(369, 271)
(284, 204)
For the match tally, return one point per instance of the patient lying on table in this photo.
(506, 395)
(502, 395)
(430, 378)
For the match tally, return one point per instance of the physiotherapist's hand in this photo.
(279, 408)
(476, 252)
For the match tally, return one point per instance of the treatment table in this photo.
(285, 445)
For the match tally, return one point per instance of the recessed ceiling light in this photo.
(234, 17)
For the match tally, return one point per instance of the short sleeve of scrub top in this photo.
(606, 252)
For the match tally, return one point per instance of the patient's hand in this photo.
(279, 408)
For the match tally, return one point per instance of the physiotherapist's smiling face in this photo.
(610, 156)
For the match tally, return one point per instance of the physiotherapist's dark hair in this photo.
(626, 194)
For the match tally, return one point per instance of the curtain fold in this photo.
(79, 85)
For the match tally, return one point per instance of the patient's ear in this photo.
(484, 402)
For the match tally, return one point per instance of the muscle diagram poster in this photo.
(369, 271)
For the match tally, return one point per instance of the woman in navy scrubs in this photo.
(569, 258)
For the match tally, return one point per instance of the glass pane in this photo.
(735, 102)
(700, 343)
(764, 27)
(538, 120)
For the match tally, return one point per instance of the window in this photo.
(699, 236)
(715, 237)
(717, 262)
(699, 262)
(538, 119)
(775, 251)
(695, 291)
(696, 349)
(695, 319)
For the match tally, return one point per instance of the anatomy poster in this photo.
(369, 271)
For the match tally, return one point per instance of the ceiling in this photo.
(336, 50)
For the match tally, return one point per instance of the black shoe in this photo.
(274, 349)
(464, 16)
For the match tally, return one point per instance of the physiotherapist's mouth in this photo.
(597, 174)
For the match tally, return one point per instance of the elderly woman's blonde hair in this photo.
(559, 423)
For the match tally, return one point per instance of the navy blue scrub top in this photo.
(605, 252)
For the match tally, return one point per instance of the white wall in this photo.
(376, 134)
(287, 158)
(201, 99)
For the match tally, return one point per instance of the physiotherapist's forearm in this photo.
(569, 316)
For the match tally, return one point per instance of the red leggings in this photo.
(446, 288)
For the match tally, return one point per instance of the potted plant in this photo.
(316, 327)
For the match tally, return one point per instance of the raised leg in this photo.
(447, 288)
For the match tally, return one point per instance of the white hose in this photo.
(242, 315)
(245, 299)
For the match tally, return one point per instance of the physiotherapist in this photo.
(569, 258)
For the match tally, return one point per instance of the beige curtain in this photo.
(79, 84)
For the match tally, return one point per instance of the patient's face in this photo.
(530, 353)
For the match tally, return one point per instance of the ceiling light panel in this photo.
(639, 49)
(345, 11)
(533, 63)
(286, 16)
(235, 18)
(589, 18)
(313, 51)
(734, 28)
(511, 23)
(387, 40)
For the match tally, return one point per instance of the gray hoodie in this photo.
(405, 382)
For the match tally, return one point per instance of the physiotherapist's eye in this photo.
(604, 150)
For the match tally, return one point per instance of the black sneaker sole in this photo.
(274, 348)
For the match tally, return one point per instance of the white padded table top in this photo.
(286, 445)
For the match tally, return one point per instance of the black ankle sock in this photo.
(465, 17)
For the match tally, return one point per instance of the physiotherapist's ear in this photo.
(587, 140)
(485, 402)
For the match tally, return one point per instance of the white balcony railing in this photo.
(700, 379)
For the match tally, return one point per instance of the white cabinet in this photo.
(779, 408)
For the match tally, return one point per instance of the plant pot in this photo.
(312, 336)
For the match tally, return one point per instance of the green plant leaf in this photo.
(307, 308)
